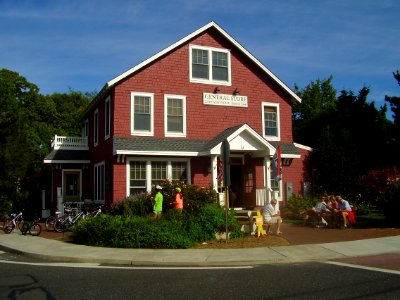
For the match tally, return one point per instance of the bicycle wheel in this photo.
(36, 229)
(8, 226)
(50, 223)
(20, 224)
(59, 226)
(25, 228)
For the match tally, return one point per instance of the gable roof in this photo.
(187, 38)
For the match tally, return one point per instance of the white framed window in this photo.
(175, 115)
(158, 172)
(85, 129)
(96, 127)
(210, 65)
(142, 113)
(270, 181)
(271, 121)
(99, 182)
(145, 173)
(107, 118)
(137, 177)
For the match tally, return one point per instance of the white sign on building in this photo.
(224, 100)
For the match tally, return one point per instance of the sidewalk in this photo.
(58, 251)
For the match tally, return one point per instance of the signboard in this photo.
(224, 100)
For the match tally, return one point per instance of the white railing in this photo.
(69, 142)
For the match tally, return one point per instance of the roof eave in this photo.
(190, 36)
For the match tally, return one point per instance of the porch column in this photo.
(214, 172)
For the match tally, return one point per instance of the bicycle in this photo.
(62, 225)
(68, 211)
(94, 213)
(16, 221)
(32, 227)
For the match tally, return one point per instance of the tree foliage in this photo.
(349, 136)
(28, 122)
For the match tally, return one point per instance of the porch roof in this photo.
(67, 156)
(183, 147)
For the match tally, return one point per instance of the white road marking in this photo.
(363, 267)
(127, 267)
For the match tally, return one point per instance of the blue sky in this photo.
(82, 44)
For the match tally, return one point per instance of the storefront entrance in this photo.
(72, 185)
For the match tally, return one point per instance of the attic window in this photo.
(210, 65)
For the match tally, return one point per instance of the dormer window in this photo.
(210, 65)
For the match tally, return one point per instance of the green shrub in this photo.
(297, 205)
(390, 202)
(136, 205)
(175, 229)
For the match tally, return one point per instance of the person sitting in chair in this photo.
(271, 215)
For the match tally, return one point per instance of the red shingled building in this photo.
(166, 118)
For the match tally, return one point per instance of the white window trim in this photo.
(63, 182)
(169, 133)
(210, 81)
(278, 120)
(267, 178)
(148, 161)
(142, 132)
(107, 126)
(103, 184)
(96, 127)
(85, 129)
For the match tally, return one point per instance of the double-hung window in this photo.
(107, 117)
(145, 173)
(142, 113)
(96, 127)
(270, 120)
(210, 65)
(137, 175)
(175, 115)
(99, 182)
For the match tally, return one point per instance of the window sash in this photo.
(179, 171)
(270, 121)
(175, 115)
(220, 66)
(107, 118)
(137, 177)
(99, 182)
(200, 64)
(96, 128)
(158, 172)
(210, 65)
(142, 113)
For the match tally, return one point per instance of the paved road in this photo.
(276, 281)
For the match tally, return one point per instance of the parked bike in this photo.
(68, 211)
(62, 225)
(16, 222)
(32, 227)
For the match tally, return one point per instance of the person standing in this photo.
(158, 201)
(178, 201)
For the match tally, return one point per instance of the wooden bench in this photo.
(246, 219)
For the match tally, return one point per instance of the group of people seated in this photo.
(332, 211)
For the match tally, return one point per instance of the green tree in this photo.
(395, 102)
(317, 99)
(28, 122)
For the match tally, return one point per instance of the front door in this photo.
(236, 194)
(72, 186)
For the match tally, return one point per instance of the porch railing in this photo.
(69, 142)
